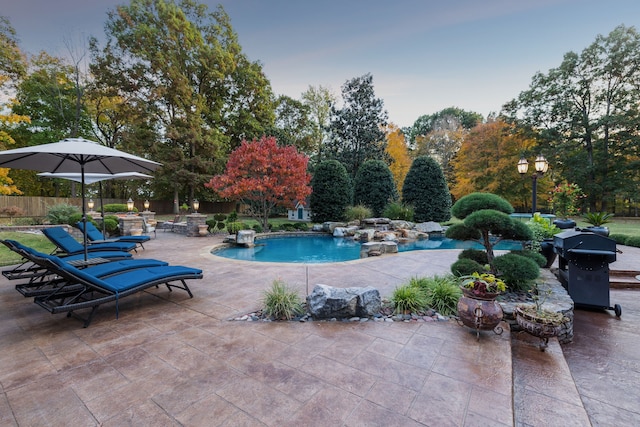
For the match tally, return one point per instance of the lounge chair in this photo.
(148, 228)
(95, 291)
(44, 281)
(70, 246)
(32, 271)
(96, 236)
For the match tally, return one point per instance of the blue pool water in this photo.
(321, 249)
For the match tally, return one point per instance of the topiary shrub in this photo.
(60, 213)
(425, 188)
(396, 210)
(301, 226)
(517, 271)
(111, 225)
(478, 255)
(118, 208)
(332, 192)
(465, 267)
(537, 257)
(358, 213)
(374, 187)
(477, 201)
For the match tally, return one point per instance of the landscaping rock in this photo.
(429, 227)
(326, 302)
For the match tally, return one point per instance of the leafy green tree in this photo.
(196, 94)
(426, 190)
(332, 192)
(431, 122)
(586, 112)
(356, 129)
(292, 125)
(374, 186)
(319, 101)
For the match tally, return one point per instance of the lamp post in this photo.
(130, 206)
(196, 205)
(541, 165)
(90, 205)
(146, 205)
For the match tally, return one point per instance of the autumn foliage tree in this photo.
(264, 175)
(399, 154)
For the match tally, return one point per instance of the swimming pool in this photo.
(316, 249)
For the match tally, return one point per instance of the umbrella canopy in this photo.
(75, 155)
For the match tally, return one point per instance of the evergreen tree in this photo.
(332, 192)
(374, 186)
(356, 130)
(425, 188)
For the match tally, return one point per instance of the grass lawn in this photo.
(35, 241)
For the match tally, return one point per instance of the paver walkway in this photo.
(171, 360)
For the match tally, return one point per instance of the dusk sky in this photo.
(424, 55)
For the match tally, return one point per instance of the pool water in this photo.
(321, 249)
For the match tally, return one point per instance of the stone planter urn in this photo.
(203, 229)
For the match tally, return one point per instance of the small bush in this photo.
(358, 212)
(234, 227)
(301, 226)
(232, 217)
(60, 213)
(537, 257)
(111, 225)
(118, 207)
(478, 255)
(620, 239)
(257, 228)
(399, 211)
(465, 267)
(281, 302)
(516, 270)
(12, 211)
(443, 293)
(24, 221)
(409, 299)
(633, 241)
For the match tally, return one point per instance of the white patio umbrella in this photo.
(90, 178)
(75, 155)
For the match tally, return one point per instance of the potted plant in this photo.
(478, 308)
(543, 231)
(597, 221)
(537, 320)
(564, 201)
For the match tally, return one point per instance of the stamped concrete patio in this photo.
(172, 360)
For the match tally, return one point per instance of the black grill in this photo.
(583, 267)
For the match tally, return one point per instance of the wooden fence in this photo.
(36, 207)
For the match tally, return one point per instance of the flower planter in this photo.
(598, 229)
(564, 224)
(480, 313)
(537, 326)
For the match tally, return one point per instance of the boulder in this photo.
(327, 302)
(397, 224)
(246, 238)
(429, 227)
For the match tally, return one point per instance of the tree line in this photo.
(170, 81)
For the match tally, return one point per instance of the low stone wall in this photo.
(558, 301)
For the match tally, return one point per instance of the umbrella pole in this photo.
(84, 215)
(104, 233)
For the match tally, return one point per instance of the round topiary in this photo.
(465, 267)
(478, 201)
(374, 186)
(517, 271)
(478, 255)
(539, 259)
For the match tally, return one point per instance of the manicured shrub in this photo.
(477, 201)
(281, 303)
(620, 239)
(111, 225)
(396, 210)
(425, 188)
(332, 192)
(409, 299)
(358, 213)
(478, 255)
(374, 186)
(118, 207)
(517, 271)
(301, 226)
(633, 241)
(60, 213)
(465, 267)
(257, 228)
(537, 257)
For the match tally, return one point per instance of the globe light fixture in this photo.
(146, 205)
(196, 205)
(90, 204)
(542, 165)
(130, 205)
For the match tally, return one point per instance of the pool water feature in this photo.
(317, 249)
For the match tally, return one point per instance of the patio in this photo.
(171, 360)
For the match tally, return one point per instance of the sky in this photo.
(424, 55)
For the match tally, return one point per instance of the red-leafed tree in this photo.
(264, 175)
